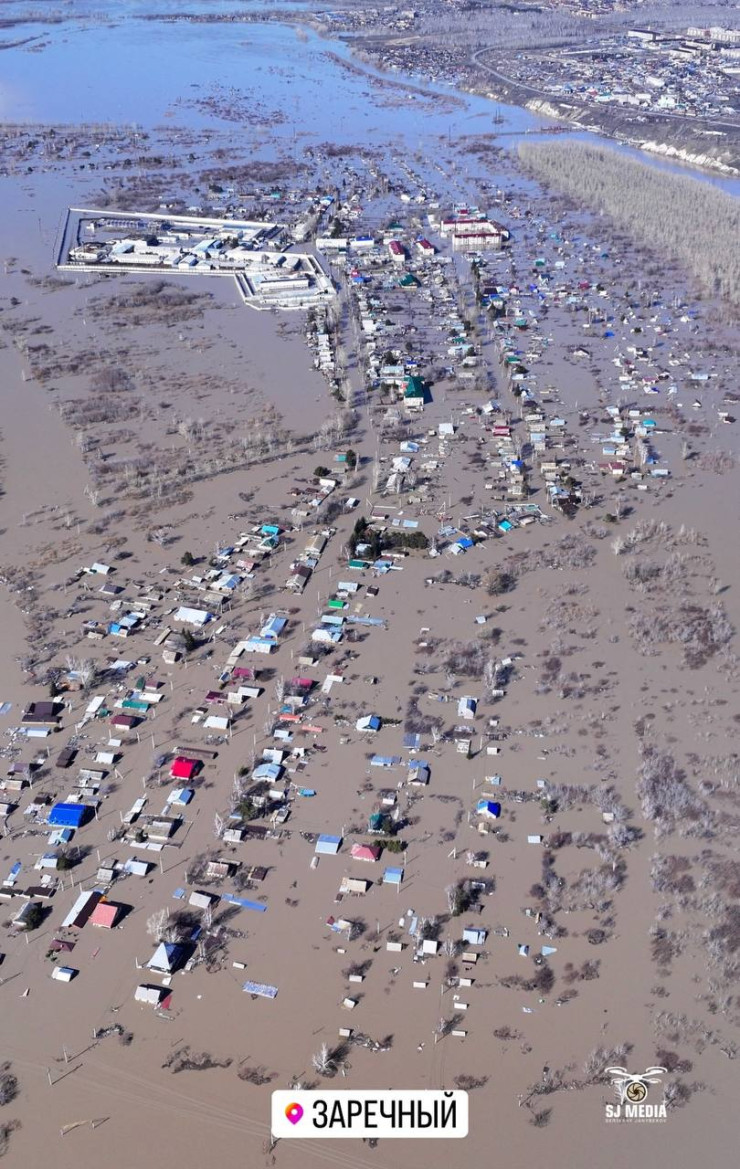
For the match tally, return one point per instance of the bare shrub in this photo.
(700, 631)
(8, 1085)
(670, 874)
(666, 797)
(499, 581)
(470, 1083)
(256, 1075)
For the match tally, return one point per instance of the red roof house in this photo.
(124, 720)
(183, 768)
(105, 914)
(365, 852)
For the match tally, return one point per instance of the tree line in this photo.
(689, 221)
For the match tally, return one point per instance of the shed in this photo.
(47, 860)
(181, 796)
(153, 995)
(217, 722)
(369, 722)
(64, 973)
(136, 867)
(201, 900)
(62, 946)
(474, 936)
(328, 845)
(354, 885)
(488, 808)
(393, 877)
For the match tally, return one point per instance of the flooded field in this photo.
(486, 496)
(264, 75)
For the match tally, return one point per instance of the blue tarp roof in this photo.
(69, 815)
(488, 807)
(243, 903)
(369, 722)
(182, 795)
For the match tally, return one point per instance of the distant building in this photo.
(397, 251)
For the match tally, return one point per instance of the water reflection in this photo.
(92, 69)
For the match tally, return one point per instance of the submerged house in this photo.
(413, 393)
(365, 852)
(183, 768)
(489, 809)
(369, 722)
(167, 958)
(327, 845)
(106, 914)
(69, 815)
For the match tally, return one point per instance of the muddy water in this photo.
(181, 1120)
(282, 82)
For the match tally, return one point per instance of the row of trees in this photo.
(684, 219)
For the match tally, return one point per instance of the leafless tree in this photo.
(157, 924)
(84, 668)
(691, 222)
(322, 1061)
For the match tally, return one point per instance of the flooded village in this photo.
(370, 691)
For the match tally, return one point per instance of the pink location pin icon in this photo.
(294, 1112)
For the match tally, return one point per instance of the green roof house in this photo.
(413, 393)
